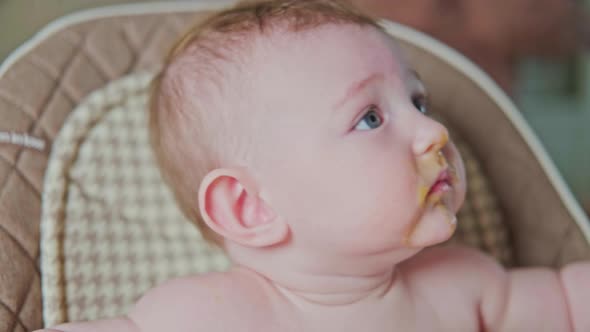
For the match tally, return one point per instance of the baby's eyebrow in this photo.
(414, 74)
(416, 82)
(356, 87)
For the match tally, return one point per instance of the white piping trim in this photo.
(483, 80)
(406, 34)
(22, 139)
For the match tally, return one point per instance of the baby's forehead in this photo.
(283, 72)
(321, 61)
(331, 46)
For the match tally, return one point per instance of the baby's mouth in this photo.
(442, 184)
(438, 178)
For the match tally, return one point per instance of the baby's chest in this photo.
(404, 313)
(409, 318)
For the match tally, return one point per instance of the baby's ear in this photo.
(231, 206)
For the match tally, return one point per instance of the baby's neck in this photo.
(335, 290)
(325, 280)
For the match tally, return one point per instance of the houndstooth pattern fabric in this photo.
(480, 218)
(111, 229)
(121, 230)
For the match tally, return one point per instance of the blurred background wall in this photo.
(537, 50)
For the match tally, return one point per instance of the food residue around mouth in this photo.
(437, 179)
(422, 193)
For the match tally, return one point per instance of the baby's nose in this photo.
(431, 137)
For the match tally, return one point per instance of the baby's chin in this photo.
(437, 224)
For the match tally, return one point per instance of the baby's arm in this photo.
(459, 280)
(538, 299)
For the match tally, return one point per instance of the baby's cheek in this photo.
(356, 201)
(385, 205)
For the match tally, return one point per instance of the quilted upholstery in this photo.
(36, 94)
(40, 89)
(110, 227)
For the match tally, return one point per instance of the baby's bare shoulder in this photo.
(452, 280)
(212, 302)
(452, 257)
(453, 266)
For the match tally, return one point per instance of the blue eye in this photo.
(371, 120)
(421, 103)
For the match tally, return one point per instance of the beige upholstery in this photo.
(37, 92)
(41, 86)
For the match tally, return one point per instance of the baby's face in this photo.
(345, 154)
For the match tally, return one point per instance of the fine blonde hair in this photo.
(183, 135)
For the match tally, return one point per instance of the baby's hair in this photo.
(184, 134)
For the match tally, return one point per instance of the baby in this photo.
(297, 138)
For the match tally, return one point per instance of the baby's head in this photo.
(296, 126)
